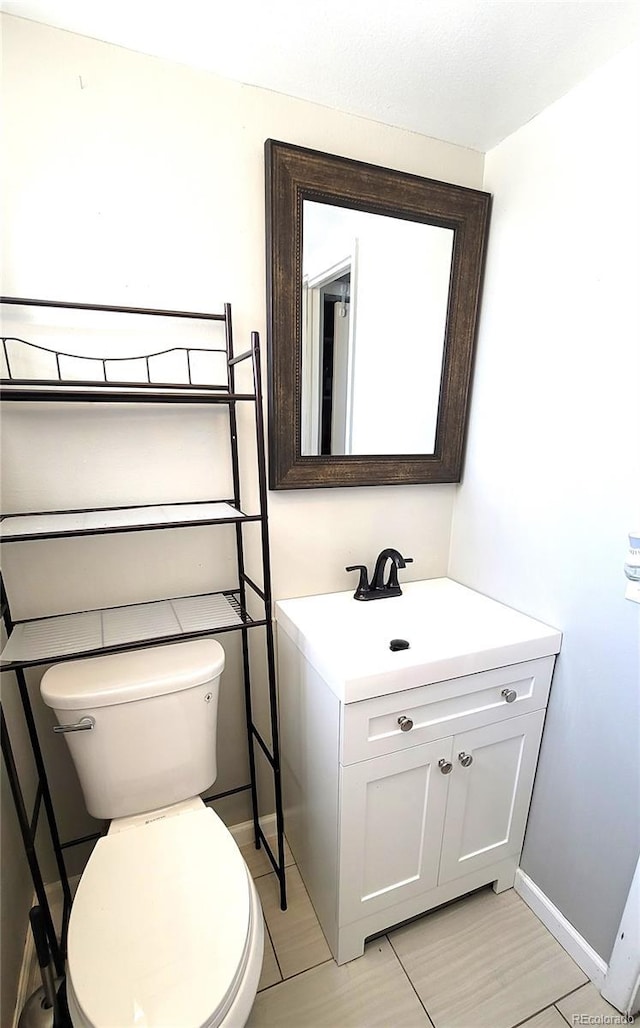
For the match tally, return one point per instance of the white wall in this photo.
(551, 485)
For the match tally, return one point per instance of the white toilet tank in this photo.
(155, 712)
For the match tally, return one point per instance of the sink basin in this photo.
(451, 631)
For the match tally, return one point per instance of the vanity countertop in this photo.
(452, 631)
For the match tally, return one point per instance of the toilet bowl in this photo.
(166, 928)
(167, 910)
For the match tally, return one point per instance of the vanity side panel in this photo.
(310, 737)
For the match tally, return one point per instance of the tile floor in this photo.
(485, 961)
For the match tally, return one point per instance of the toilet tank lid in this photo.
(131, 675)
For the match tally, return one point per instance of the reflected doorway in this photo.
(328, 359)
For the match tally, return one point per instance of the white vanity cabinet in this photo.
(407, 775)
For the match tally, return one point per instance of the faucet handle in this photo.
(393, 573)
(363, 584)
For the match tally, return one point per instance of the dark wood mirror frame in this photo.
(295, 174)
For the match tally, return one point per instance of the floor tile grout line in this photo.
(270, 871)
(284, 977)
(530, 1017)
(561, 998)
(571, 992)
(408, 976)
(562, 1016)
(548, 1006)
(273, 947)
(517, 1024)
(263, 874)
(296, 975)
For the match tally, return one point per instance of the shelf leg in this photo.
(249, 723)
(46, 796)
(28, 839)
(266, 564)
(275, 742)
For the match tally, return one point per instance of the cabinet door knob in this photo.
(406, 724)
(445, 766)
(465, 759)
(509, 695)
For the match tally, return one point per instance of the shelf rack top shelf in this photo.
(32, 371)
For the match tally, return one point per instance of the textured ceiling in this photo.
(467, 71)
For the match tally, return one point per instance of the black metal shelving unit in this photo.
(65, 637)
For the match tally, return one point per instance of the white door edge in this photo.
(622, 981)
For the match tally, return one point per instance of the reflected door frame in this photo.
(312, 355)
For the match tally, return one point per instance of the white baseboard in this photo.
(562, 930)
(243, 832)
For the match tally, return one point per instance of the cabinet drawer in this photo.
(371, 727)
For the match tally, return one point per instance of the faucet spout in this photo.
(379, 589)
(396, 559)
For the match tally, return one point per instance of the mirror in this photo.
(373, 289)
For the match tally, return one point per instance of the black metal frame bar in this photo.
(278, 864)
(108, 393)
(122, 506)
(105, 392)
(20, 301)
(28, 826)
(149, 526)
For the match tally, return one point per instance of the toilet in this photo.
(166, 927)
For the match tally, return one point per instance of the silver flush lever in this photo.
(85, 724)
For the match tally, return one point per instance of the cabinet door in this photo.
(489, 799)
(392, 814)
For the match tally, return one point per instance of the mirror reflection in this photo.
(375, 294)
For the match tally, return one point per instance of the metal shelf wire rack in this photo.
(73, 378)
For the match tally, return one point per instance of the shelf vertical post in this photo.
(266, 565)
(27, 830)
(46, 794)
(246, 670)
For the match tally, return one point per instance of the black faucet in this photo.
(379, 589)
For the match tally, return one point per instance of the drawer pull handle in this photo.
(445, 766)
(509, 694)
(406, 724)
(465, 759)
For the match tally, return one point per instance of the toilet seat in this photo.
(163, 926)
